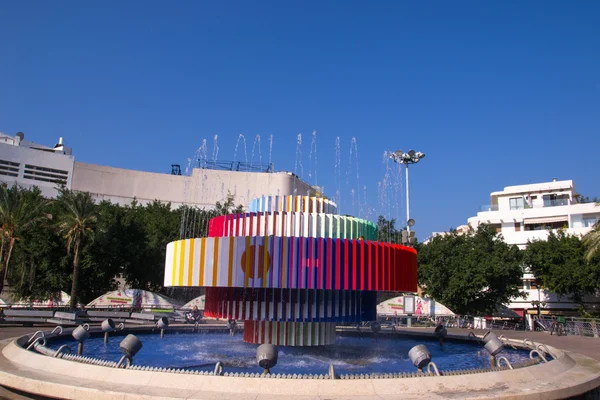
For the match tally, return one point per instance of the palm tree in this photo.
(19, 210)
(592, 241)
(76, 222)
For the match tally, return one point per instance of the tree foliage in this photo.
(76, 223)
(114, 241)
(592, 242)
(470, 273)
(20, 210)
(560, 265)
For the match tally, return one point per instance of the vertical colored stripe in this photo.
(174, 272)
(202, 261)
(284, 262)
(346, 266)
(181, 262)
(265, 261)
(191, 263)
(215, 270)
(248, 261)
(230, 262)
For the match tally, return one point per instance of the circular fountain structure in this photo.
(291, 269)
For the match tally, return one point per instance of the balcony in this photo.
(556, 203)
(538, 203)
(488, 207)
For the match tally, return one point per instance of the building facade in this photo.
(27, 164)
(529, 212)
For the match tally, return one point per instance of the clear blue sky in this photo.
(496, 93)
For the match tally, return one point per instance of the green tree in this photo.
(20, 210)
(38, 257)
(76, 223)
(560, 265)
(386, 230)
(153, 227)
(470, 273)
(228, 206)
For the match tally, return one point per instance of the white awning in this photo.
(546, 220)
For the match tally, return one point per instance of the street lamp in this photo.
(411, 157)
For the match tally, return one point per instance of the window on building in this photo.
(589, 222)
(44, 174)
(9, 168)
(517, 226)
(547, 226)
(517, 203)
(497, 227)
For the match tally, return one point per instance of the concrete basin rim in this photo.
(33, 362)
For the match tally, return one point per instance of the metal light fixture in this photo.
(493, 345)
(266, 357)
(162, 324)
(419, 356)
(81, 334)
(108, 326)
(412, 157)
(129, 346)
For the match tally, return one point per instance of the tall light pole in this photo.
(411, 157)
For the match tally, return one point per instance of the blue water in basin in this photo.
(350, 354)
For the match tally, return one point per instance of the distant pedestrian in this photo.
(232, 325)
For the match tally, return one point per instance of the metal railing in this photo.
(571, 326)
(456, 321)
(488, 207)
(556, 202)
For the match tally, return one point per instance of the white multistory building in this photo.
(525, 213)
(30, 164)
(27, 164)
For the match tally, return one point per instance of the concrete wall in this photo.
(203, 188)
(24, 155)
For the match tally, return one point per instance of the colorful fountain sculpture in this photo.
(291, 268)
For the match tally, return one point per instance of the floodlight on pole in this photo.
(412, 157)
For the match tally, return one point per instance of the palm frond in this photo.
(592, 241)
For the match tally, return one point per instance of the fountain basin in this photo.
(351, 354)
(570, 374)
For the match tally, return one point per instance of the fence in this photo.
(572, 325)
(458, 321)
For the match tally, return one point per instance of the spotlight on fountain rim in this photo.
(420, 356)
(131, 345)
(81, 334)
(493, 345)
(489, 335)
(163, 323)
(266, 356)
(108, 325)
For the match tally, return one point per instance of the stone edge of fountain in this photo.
(569, 374)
